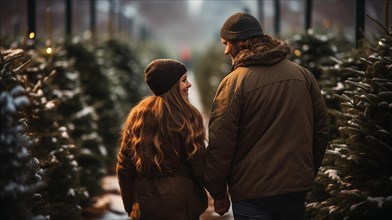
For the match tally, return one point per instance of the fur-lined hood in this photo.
(249, 57)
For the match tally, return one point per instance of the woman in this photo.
(161, 160)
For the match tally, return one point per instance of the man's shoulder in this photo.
(241, 71)
(238, 74)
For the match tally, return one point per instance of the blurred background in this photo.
(70, 71)
(183, 29)
(179, 26)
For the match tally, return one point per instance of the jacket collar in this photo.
(256, 56)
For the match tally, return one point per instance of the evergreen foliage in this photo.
(210, 68)
(357, 169)
(52, 145)
(21, 177)
(313, 51)
(82, 122)
(60, 116)
(125, 74)
(98, 94)
(331, 82)
(125, 81)
(111, 80)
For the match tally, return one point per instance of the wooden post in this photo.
(308, 14)
(93, 25)
(111, 18)
(277, 18)
(31, 21)
(68, 19)
(359, 21)
(386, 3)
(1, 34)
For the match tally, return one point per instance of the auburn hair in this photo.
(157, 121)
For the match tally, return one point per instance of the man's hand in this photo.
(222, 205)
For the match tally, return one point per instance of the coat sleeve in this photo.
(223, 132)
(320, 124)
(126, 174)
(196, 165)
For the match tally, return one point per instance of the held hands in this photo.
(222, 205)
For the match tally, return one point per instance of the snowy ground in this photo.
(110, 207)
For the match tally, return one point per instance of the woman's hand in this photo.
(222, 206)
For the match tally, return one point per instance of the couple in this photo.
(268, 133)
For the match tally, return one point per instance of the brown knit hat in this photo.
(162, 74)
(241, 26)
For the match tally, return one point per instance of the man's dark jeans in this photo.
(281, 207)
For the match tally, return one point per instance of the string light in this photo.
(49, 50)
(326, 23)
(31, 35)
(297, 52)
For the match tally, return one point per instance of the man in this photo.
(268, 130)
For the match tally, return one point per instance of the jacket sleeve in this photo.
(223, 132)
(320, 125)
(196, 165)
(126, 174)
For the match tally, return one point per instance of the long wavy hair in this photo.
(156, 122)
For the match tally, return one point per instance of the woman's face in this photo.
(184, 85)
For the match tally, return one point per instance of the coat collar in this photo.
(257, 56)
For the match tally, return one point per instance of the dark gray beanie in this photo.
(162, 74)
(241, 26)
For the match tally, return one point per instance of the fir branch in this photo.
(382, 27)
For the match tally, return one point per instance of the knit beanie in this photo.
(162, 74)
(241, 26)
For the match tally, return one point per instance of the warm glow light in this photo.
(31, 35)
(380, 43)
(49, 50)
(326, 23)
(297, 52)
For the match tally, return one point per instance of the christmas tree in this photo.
(124, 76)
(21, 175)
(357, 171)
(51, 143)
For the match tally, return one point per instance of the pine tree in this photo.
(125, 78)
(52, 145)
(125, 74)
(21, 177)
(96, 95)
(82, 121)
(332, 84)
(358, 169)
(313, 51)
